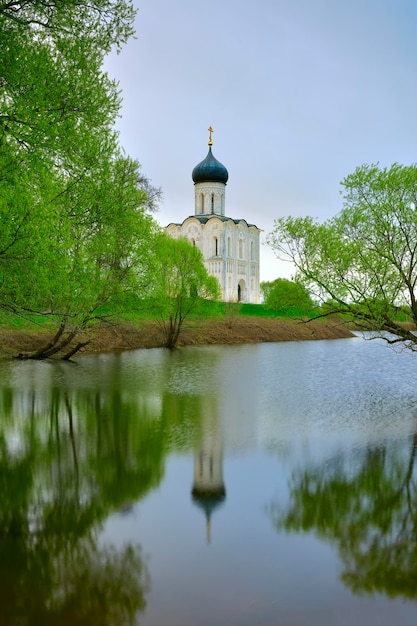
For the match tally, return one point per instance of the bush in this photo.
(287, 297)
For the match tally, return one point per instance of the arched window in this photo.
(193, 242)
(202, 203)
(216, 247)
(240, 249)
(212, 202)
(252, 258)
(229, 251)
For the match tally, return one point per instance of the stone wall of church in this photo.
(231, 252)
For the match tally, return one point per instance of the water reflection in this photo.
(365, 504)
(66, 462)
(110, 469)
(208, 489)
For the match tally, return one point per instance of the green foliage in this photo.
(362, 262)
(73, 208)
(284, 295)
(58, 106)
(180, 284)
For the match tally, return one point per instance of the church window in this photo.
(212, 202)
(251, 251)
(193, 242)
(229, 253)
(202, 203)
(216, 246)
(240, 249)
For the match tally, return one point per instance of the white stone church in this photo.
(230, 246)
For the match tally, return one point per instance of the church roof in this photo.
(210, 170)
(203, 219)
(208, 499)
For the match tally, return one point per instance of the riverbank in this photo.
(240, 329)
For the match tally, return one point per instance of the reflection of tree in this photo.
(101, 588)
(63, 469)
(77, 444)
(367, 506)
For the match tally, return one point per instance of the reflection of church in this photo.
(208, 489)
(230, 246)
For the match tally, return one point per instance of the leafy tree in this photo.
(87, 252)
(181, 282)
(365, 258)
(73, 207)
(286, 296)
(57, 104)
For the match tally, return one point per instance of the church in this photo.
(230, 246)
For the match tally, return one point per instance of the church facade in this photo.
(230, 246)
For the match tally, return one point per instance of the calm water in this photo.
(270, 484)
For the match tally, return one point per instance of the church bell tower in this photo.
(210, 178)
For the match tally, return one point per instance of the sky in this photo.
(299, 93)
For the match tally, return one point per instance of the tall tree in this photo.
(98, 254)
(73, 207)
(363, 262)
(181, 283)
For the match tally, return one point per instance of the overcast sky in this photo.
(299, 93)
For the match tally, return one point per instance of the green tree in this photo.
(287, 296)
(88, 250)
(363, 262)
(181, 283)
(73, 207)
(57, 104)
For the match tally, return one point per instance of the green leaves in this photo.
(287, 296)
(74, 217)
(365, 258)
(180, 281)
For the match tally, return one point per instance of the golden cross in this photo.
(210, 130)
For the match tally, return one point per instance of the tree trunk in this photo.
(78, 347)
(58, 343)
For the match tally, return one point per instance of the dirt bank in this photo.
(106, 337)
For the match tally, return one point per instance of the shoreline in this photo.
(105, 337)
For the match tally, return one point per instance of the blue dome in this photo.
(210, 171)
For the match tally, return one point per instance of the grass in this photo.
(138, 310)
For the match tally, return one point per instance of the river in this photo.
(254, 485)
